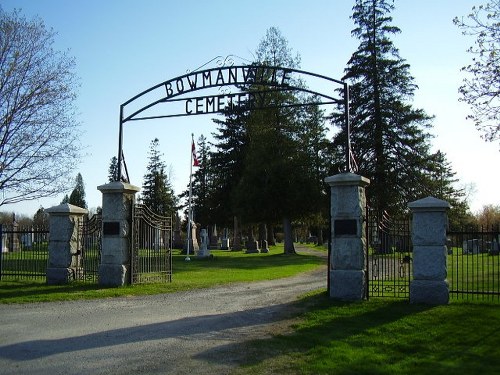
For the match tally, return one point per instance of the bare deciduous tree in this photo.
(481, 88)
(39, 143)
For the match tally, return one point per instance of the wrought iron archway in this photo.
(180, 93)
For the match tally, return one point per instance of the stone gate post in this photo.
(118, 199)
(347, 263)
(64, 223)
(429, 225)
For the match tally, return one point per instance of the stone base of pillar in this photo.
(60, 276)
(348, 285)
(432, 292)
(112, 275)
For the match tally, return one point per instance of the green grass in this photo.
(225, 267)
(382, 337)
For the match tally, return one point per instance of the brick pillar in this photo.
(429, 225)
(347, 263)
(118, 199)
(64, 257)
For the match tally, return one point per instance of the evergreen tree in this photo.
(389, 137)
(157, 193)
(200, 186)
(226, 161)
(77, 196)
(279, 180)
(41, 218)
(113, 169)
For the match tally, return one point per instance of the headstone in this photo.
(194, 246)
(225, 240)
(252, 245)
(474, 246)
(494, 250)
(204, 250)
(27, 240)
(177, 233)
(263, 238)
(13, 238)
(214, 239)
(5, 248)
(237, 236)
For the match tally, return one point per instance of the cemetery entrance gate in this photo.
(151, 255)
(388, 255)
(253, 85)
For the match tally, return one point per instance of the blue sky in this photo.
(123, 47)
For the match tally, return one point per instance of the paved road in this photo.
(191, 332)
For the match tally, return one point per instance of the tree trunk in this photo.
(287, 228)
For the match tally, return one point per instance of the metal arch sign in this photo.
(180, 96)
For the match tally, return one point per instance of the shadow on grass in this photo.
(389, 337)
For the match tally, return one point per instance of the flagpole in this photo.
(190, 214)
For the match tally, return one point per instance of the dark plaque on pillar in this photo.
(111, 228)
(345, 228)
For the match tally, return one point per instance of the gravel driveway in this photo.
(200, 331)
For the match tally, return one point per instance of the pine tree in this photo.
(77, 196)
(226, 160)
(389, 137)
(201, 185)
(279, 180)
(113, 169)
(157, 193)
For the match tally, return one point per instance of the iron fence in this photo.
(474, 263)
(24, 253)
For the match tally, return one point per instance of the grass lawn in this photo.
(225, 267)
(382, 337)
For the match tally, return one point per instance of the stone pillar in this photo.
(429, 224)
(347, 263)
(64, 257)
(118, 199)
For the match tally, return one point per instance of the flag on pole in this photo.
(196, 162)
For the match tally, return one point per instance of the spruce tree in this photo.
(201, 186)
(157, 193)
(389, 137)
(279, 181)
(226, 160)
(113, 169)
(77, 196)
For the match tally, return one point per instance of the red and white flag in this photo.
(196, 162)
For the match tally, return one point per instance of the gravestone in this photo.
(225, 240)
(5, 248)
(263, 238)
(214, 240)
(193, 241)
(237, 236)
(27, 240)
(13, 237)
(204, 250)
(177, 233)
(252, 245)
(494, 249)
(474, 246)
